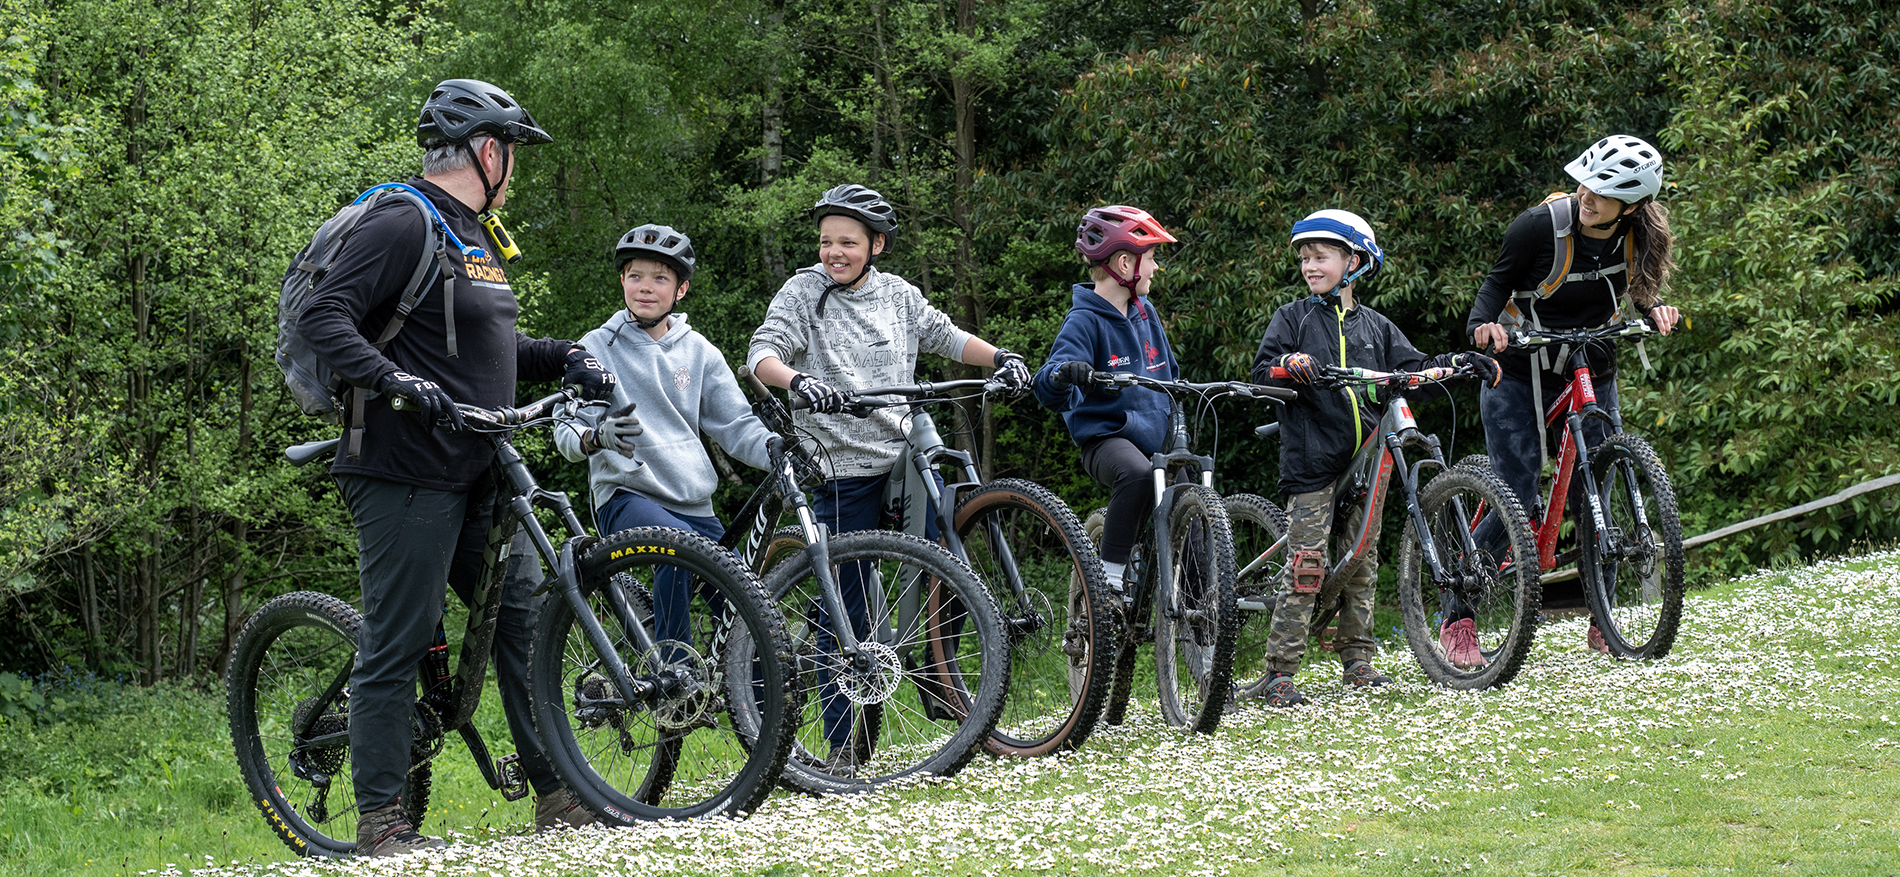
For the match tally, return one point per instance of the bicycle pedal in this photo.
(514, 783)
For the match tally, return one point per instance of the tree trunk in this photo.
(969, 302)
(772, 119)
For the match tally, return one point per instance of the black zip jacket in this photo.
(352, 304)
(1318, 434)
(1523, 262)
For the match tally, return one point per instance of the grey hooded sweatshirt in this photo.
(681, 387)
(867, 337)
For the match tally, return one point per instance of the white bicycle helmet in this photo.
(1619, 166)
(1344, 227)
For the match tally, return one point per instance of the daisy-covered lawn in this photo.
(1768, 742)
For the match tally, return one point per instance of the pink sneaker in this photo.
(1595, 639)
(1459, 639)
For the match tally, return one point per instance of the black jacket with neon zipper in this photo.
(1320, 431)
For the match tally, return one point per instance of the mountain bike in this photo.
(1628, 548)
(637, 727)
(1440, 560)
(1182, 571)
(903, 673)
(1029, 548)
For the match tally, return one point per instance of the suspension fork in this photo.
(818, 548)
(1574, 423)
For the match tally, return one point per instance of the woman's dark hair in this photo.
(1654, 259)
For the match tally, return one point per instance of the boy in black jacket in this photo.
(1321, 430)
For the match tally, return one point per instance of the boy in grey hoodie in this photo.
(681, 386)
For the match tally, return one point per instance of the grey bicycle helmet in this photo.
(462, 108)
(860, 203)
(660, 242)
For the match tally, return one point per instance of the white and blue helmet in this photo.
(1343, 227)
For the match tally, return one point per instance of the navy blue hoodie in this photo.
(1095, 333)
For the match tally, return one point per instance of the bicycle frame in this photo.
(453, 699)
(1576, 404)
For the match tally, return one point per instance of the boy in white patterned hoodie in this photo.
(843, 325)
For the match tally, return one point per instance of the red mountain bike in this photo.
(1628, 548)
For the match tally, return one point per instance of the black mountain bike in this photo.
(1029, 548)
(916, 683)
(1183, 597)
(638, 728)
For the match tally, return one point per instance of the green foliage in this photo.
(1781, 393)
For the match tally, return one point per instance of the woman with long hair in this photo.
(1578, 260)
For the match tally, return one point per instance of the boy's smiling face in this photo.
(651, 287)
(1323, 265)
(844, 246)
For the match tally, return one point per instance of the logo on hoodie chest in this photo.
(682, 379)
(1119, 359)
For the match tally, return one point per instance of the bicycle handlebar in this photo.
(861, 401)
(1339, 375)
(1538, 337)
(505, 419)
(1238, 388)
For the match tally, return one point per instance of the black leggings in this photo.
(1117, 464)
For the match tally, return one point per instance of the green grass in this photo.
(1767, 743)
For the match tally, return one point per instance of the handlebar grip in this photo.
(1279, 373)
(759, 390)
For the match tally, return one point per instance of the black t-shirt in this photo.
(1523, 263)
(355, 301)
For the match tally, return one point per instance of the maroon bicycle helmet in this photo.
(1105, 230)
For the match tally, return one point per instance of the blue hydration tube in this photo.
(468, 252)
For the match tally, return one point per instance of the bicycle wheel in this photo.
(293, 652)
(1122, 679)
(1058, 676)
(683, 750)
(1499, 586)
(1634, 581)
(1196, 620)
(1259, 526)
(928, 685)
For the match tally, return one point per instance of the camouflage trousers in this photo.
(1309, 521)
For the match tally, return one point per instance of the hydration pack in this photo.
(318, 390)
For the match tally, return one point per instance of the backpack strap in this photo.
(434, 255)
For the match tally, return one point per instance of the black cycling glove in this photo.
(1011, 371)
(615, 432)
(1302, 367)
(586, 372)
(1486, 368)
(431, 401)
(1072, 373)
(819, 396)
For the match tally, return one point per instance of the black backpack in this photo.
(318, 390)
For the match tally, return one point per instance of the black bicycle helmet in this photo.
(860, 203)
(657, 242)
(462, 108)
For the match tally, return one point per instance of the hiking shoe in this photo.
(1459, 639)
(1595, 639)
(387, 832)
(1361, 674)
(843, 763)
(1281, 693)
(561, 808)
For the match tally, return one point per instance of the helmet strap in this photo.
(1133, 279)
(489, 191)
(648, 324)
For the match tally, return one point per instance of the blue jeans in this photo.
(846, 505)
(672, 592)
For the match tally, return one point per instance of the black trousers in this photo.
(1116, 463)
(413, 543)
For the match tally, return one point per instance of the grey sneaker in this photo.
(561, 808)
(1361, 674)
(1281, 693)
(387, 832)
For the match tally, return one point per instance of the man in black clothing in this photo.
(421, 491)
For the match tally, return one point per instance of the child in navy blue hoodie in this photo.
(1112, 327)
